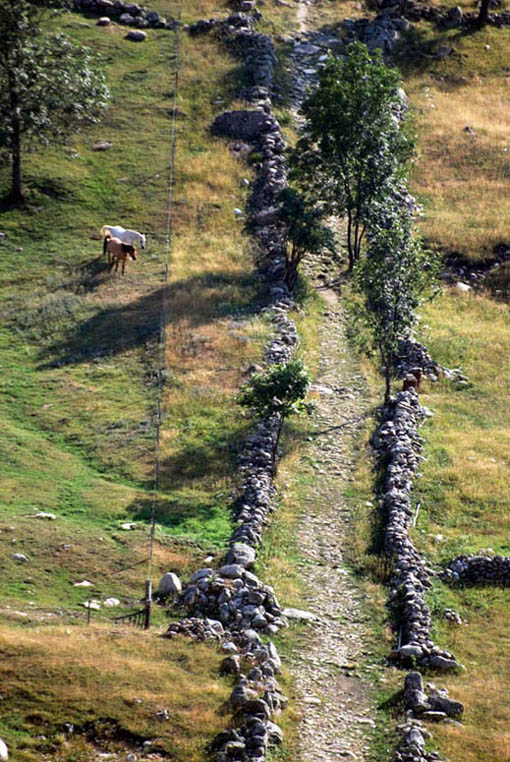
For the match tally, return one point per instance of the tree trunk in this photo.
(484, 13)
(16, 194)
(387, 378)
(350, 247)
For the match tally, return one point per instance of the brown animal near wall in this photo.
(410, 382)
(118, 253)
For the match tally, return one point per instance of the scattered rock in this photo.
(20, 558)
(136, 35)
(101, 145)
(169, 584)
(112, 602)
(299, 615)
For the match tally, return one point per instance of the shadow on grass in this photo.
(198, 300)
(192, 515)
(418, 52)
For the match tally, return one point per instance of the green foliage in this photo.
(48, 85)
(354, 145)
(304, 231)
(282, 389)
(393, 279)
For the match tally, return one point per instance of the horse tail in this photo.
(105, 242)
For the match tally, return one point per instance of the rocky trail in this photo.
(336, 707)
(335, 700)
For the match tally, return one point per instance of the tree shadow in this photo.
(418, 53)
(121, 328)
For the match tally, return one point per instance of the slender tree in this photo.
(281, 391)
(353, 139)
(393, 279)
(305, 232)
(48, 85)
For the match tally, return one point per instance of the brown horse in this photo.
(118, 252)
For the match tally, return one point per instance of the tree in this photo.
(280, 391)
(304, 232)
(354, 141)
(393, 279)
(48, 85)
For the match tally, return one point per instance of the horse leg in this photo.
(123, 265)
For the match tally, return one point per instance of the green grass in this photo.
(78, 399)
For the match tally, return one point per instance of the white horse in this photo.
(126, 236)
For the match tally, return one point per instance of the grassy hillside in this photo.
(78, 394)
(79, 355)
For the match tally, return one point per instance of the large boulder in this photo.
(242, 125)
(241, 554)
(169, 584)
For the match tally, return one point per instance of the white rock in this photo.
(4, 751)
(43, 515)
(128, 525)
(312, 700)
(83, 583)
(95, 605)
(298, 615)
(462, 286)
(238, 212)
(21, 557)
(136, 35)
(112, 602)
(169, 584)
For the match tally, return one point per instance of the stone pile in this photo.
(412, 354)
(411, 747)
(399, 446)
(196, 629)
(428, 703)
(236, 597)
(130, 14)
(479, 570)
(384, 31)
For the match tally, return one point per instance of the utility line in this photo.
(162, 323)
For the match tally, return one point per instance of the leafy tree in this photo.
(48, 85)
(304, 231)
(281, 391)
(393, 279)
(353, 145)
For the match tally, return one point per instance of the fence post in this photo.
(148, 604)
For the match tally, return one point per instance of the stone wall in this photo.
(130, 14)
(399, 446)
(231, 605)
(473, 570)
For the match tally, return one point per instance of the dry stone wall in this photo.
(231, 605)
(473, 570)
(399, 445)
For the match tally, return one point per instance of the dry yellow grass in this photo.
(122, 676)
(464, 177)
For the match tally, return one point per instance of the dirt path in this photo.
(336, 709)
(335, 703)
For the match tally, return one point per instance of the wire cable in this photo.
(162, 320)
